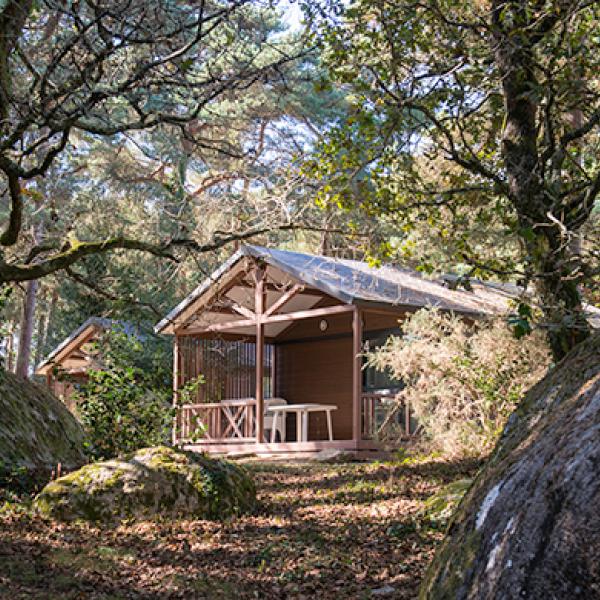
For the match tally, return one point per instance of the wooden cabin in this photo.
(67, 365)
(279, 338)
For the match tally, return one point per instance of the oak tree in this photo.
(489, 109)
(106, 69)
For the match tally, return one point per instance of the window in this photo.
(375, 380)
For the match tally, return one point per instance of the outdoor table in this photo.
(302, 411)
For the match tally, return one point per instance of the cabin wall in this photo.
(65, 389)
(376, 321)
(309, 328)
(312, 366)
(317, 371)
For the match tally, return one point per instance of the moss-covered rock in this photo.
(440, 507)
(151, 482)
(36, 432)
(529, 526)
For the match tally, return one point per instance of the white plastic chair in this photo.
(269, 418)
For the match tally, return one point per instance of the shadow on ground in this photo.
(326, 531)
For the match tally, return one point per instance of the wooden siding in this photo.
(228, 368)
(309, 328)
(64, 388)
(376, 321)
(317, 371)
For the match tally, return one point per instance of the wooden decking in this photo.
(229, 427)
(281, 448)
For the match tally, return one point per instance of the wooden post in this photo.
(273, 371)
(356, 374)
(259, 308)
(176, 377)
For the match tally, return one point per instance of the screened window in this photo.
(375, 380)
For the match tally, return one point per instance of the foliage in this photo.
(134, 75)
(475, 123)
(126, 403)
(462, 380)
(13, 479)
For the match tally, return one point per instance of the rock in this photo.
(386, 590)
(151, 482)
(529, 527)
(36, 432)
(331, 455)
(440, 507)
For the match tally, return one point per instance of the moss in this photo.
(457, 561)
(36, 431)
(150, 482)
(441, 506)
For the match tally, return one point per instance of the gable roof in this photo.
(356, 282)
(77, 337)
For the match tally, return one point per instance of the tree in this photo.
(108, 69)
(485, 109)
(163, 185)
(125, 403)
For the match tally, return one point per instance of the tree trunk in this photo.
(41, 323)
(562, 304)
(28, 319)
(545, 235)
(10, 350)
(44, 327)
(26, 330)
(325, 246)
(529, 527)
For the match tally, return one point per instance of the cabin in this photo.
(66, 367)
(269, 350)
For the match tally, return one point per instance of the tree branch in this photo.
(102, 292)
(11, 233)
(75, 250)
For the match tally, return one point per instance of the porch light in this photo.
(323, 324)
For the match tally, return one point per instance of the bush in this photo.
(126, 404)
(462, 380)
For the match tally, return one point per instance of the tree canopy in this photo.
(475, 116)
(69, 71)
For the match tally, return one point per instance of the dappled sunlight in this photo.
(319, 529)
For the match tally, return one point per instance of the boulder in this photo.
(529, 527)
(149, 483)
(36, 433)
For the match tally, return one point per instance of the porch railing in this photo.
(231, 421)
(382, 410)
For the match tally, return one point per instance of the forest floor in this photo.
(351, 530)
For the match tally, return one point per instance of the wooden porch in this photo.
(230, 426)
(258, 334)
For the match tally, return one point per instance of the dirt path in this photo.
(323, 531)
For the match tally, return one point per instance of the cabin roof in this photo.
(357, 282)
(78, 336)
